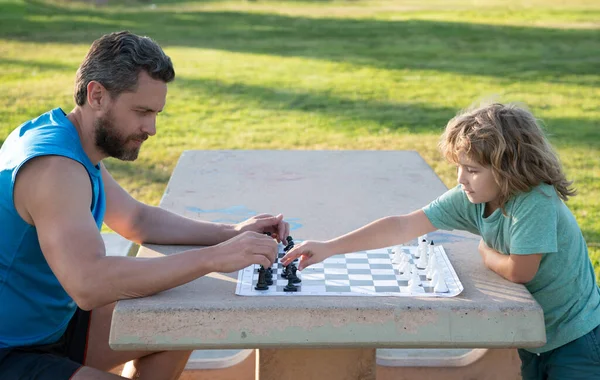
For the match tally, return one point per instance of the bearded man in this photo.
(57, 286)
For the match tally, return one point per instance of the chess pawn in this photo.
(414, 280)
(398, 256)
(414, 283)
(439, 285)
(404, 266)
(406, 257)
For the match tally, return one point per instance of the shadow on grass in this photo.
(42, 65)
(564, 131)
(413, 118)
(140, 171)
(507, 52)
(408, 117)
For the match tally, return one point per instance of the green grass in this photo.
(326, 75)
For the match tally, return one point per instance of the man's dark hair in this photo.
(115, 61)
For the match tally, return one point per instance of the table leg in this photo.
(316, 364)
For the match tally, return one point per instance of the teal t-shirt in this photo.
(537, 221)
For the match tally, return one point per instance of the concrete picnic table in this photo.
(322, 194)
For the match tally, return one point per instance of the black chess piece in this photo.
(285, 272)
(262, 280)
(290, 244)
(290, 287)
(292, 273)
(269, 276)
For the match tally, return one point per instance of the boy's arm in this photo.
(516, 268)
(54, 194)
(381, 233)
(385, 232)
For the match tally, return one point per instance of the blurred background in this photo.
(324, 74)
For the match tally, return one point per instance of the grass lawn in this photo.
(326, 75)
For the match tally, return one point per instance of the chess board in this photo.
(366, 273)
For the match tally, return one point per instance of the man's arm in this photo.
(141, 223)
(515, 268)
(54, 194)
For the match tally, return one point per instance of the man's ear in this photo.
(96, 94)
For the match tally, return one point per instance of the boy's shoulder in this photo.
(540, 195)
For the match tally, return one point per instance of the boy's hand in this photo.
(483, 250)
(309, 252)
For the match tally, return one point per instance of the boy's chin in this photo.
(474, 200)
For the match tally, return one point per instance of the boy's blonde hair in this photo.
(509, 140)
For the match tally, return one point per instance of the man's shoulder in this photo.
(50, 130)
(48, 167)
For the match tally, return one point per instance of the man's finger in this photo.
(281, 230)
(271, 221)
(262, 260)
(262, 216)
(287, 230)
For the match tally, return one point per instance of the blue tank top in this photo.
(34, 307)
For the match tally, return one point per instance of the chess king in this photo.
(511, 191)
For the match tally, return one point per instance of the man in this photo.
(57, 286)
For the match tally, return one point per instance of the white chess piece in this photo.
(439, 285)
(404, 266)
(431, 249)
(422, 262)
(414, 283)
(398, 255)
(415, 280)
(431, 267)
(421, 249)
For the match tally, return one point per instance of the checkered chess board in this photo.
(366, 273)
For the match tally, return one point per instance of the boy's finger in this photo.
(293, 254)
(305, 261)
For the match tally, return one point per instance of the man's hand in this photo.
(266, 223)
(243, 250)
(310, 252)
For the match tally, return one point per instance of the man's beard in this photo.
(112, 143)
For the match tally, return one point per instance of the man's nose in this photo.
(149, 127)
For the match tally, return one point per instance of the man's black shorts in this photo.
(56, 361)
